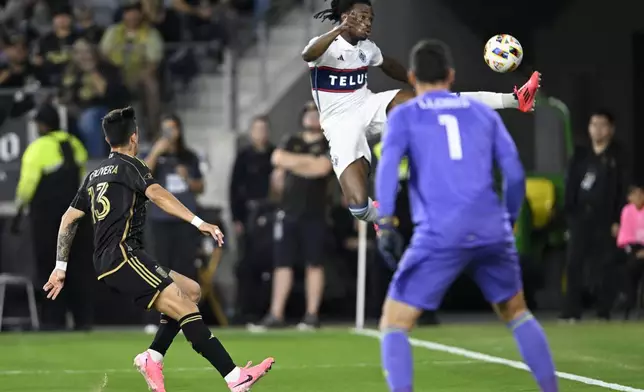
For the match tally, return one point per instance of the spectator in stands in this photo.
(17, 70)
(301, 227)
(165, 20)
(103, 11)
(12, 11)
(136, 48)
(86, 25)
(631, 240)
(176, 167)
(15, 73)
(53, 50)
(594, 197)
(90, 88)
(50, 174)
(251, 173)
(199, 21)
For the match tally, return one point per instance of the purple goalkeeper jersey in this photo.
(452, 144)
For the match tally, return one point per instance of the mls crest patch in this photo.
(362, 56)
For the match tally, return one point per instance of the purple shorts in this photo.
(424, 275)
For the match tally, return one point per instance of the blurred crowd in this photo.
(298, 244)
(96, 55)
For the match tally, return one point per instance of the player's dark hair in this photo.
(431, 61)
(604, 113)
(119, 125)
(338, 7)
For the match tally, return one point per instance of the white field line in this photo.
(31, 372)
(501, 361)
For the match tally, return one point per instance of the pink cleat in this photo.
(152, 371)
(528, 92)
(249, 375)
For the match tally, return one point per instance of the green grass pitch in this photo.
(329, 360)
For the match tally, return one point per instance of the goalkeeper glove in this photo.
(390, 242)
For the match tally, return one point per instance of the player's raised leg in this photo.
(498, 274)
(351, 157)
(176, 304)
(150, 362)
(523, 99)
(353, 182)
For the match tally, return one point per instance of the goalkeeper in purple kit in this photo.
(461, 225)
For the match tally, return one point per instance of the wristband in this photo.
(61, 265)
(196, 221)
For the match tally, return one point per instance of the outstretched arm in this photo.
(316, 48)
(394, 69)
(168, 203)
(67, 232)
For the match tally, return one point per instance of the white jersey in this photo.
(339, 76)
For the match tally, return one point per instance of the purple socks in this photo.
(397, 360)
(531, 340)
(534, 349)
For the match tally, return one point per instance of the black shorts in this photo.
(138, 277)
(299, 241)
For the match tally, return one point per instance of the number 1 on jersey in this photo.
(450, 123)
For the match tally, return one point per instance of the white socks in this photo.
(234, 375)
(156, 356)
(494, 100)
(231, 377)
(367, 213)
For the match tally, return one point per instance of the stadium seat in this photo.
(540, 193)
(14, 280)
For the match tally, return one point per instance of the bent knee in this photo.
(398, 315)
(193, 291)
(174, 302)
(512, 308)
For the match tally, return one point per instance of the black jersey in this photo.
(114, 196)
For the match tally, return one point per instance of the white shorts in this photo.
(347, 132)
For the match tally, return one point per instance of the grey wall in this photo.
(587, 59)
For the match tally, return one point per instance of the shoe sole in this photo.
(151, 385)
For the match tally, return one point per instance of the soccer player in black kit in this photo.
(116, 195)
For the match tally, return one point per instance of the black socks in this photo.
(168, 329)
(205, 343)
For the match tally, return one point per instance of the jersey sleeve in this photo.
(376, 55)
(138, 176)
(81, 201)
(395, 146)
(325, 55)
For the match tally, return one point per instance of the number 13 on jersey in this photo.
(100, 204)
(450, 123)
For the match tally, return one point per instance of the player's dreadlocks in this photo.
(338, 7)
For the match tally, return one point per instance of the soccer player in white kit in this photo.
(349, 111)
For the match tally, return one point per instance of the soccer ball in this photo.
(503, 53)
